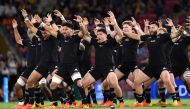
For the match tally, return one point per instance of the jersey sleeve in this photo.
(26, 42)
(76, 38)
(59, 36)
(165, 37)
(94, 41)
(112, 41)
(186, 40)
(39, 34)
(145, 37)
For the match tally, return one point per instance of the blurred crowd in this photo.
(123, 9)
(9, 67)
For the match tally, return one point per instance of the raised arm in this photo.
(176, 35)
(30, 26)
(115, 24)
(16, 33)
(24, 14)
(137, 27)
(146, 26)
(97, 22)
(53, 25)
(107, 25)
(160, 23)
(58, 14)
(50, 28)
(83, 29)
(85, 22)
(87, 38)
(171, 25)
(29, 23)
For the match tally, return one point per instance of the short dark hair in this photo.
(68, 24)
(101, 26)
(154, 22)
(102, 30)
(128, 22)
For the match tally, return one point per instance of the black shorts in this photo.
(178, 71)
(100, 73)
(45, 68)
(84, 69)
(169, 67)
(67, 72)
(27, 72)
(154, 71)
(126, 69)
(67, 79)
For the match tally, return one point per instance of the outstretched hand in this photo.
(112, 18)
(134, 23)
(48, 18)
(57, 13)
(85, 21)
(96, 21)
(38, 19)
(169, 22)
(24, 13)
(160, 23)
(146, 22)
(33, 20)
(78, 19)
(106, 21)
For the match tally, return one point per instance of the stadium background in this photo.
(13, 58)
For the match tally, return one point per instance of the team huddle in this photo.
(59, 56)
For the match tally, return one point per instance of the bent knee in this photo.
(137, 81)
(17, 86)
(79, 82)
(54, 85)
(167, 81)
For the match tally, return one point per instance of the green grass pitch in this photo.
(128, 102)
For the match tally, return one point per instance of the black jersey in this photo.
(49, 48)
(33, 47)
(179, 55)
(38, 51)
(168, 49)
(129, 50)
(85, 58)
(85, 55)
(69, 49)
(117, 53)
(156, 48)
(104, 52)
